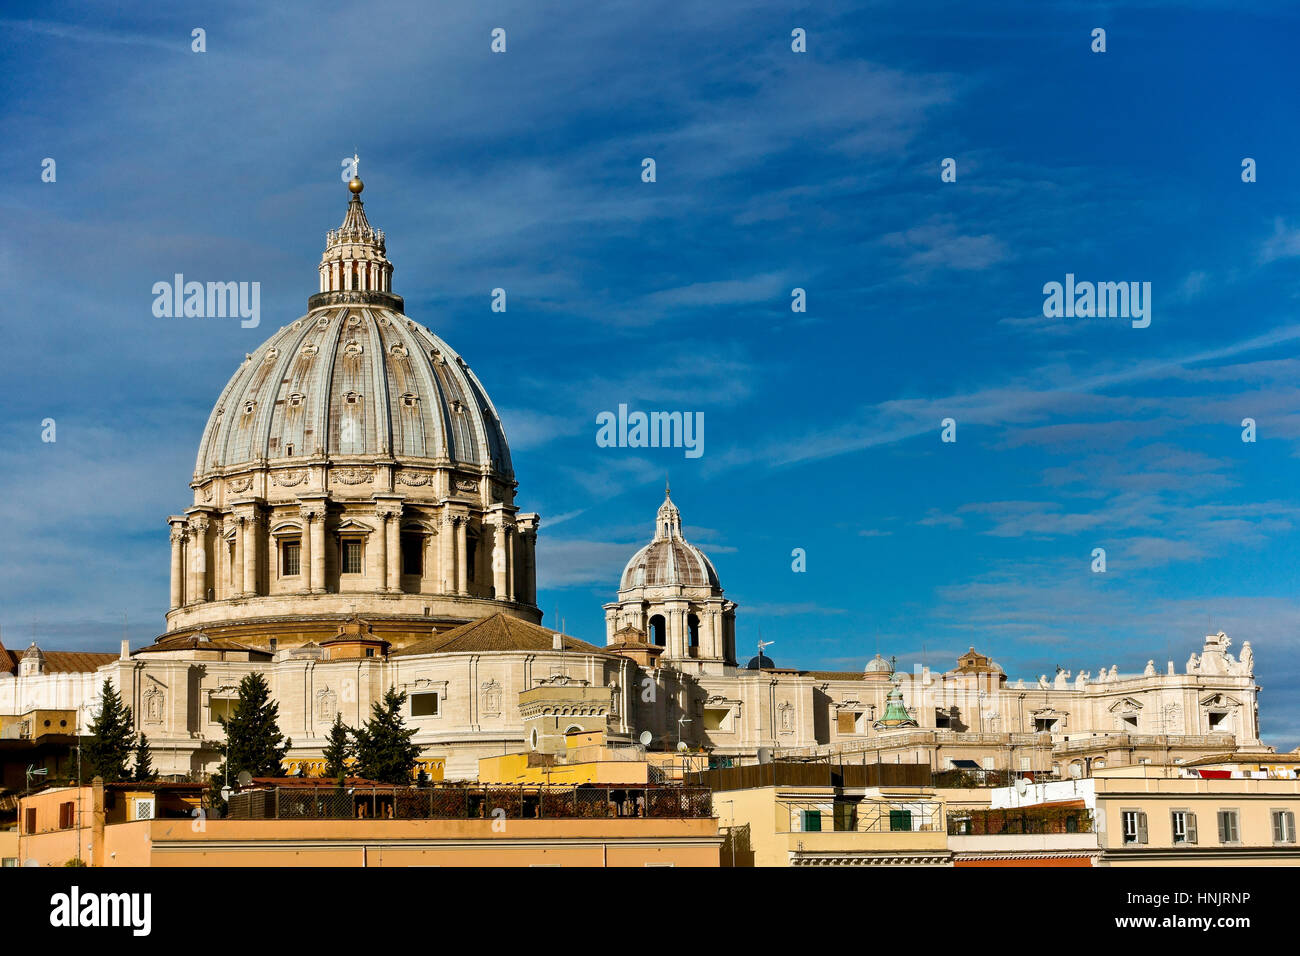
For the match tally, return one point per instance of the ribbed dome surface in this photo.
(355, 380)
(669, 562)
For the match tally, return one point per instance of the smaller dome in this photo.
(760, 663)
(669, 560)
(878, 665)
(33, 653)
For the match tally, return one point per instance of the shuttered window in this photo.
(1229, 827)
(1184, 826)
(1283, 826)
(1135, 826)
(845, 721)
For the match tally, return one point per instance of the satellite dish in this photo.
(1022, 785)
(245, 778)
(682, 747)
(645, 738)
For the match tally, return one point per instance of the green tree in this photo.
(338, 749)
(253, 739)
(109, 747)
(384, 750)
(143, 760)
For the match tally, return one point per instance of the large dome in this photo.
(353, 465)
(355, 380)
(669, 560)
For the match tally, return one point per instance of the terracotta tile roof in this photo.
(495, 633)
(71, 662)
(58, 662)
(835, 675)
(197, 642)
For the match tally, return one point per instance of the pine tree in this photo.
(143, 760)
(253, 739)
(106, 752)
(384, 749)
(338, 750)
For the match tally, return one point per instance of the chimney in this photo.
(557, 642)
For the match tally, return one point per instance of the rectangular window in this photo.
(218, 707)
(845, 721)
(1044, 725)
(351, 556)
(846, 816)
(1135, 826)
(29, 825)
(144, 808)
(812, 821)
(900, 821)
(67, 815)
(424, 705)
(716, 718)
(1183, 826)
(412, 553)
(292, 564)
(1229, 827)
(1283, 826)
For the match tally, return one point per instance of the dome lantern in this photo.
(355, 266)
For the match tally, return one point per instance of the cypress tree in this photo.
(338, 749)
(106, 752)
(253, 739)
(143, 760)
(384, 750)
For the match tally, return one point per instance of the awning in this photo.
(966, 765)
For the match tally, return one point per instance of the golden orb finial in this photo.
(356, 185)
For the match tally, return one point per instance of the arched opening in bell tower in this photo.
(658, 631)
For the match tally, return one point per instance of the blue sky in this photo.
(775, 170)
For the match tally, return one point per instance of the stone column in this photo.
(220, 560)
(462, 554)
(198, 559)
(306, 566)
(446, 565)
(511, 538)
(248, 545)
(178, 564)
(381, 548)
(392, 518)
(318, 534)
(526, 578)
(499, 572)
